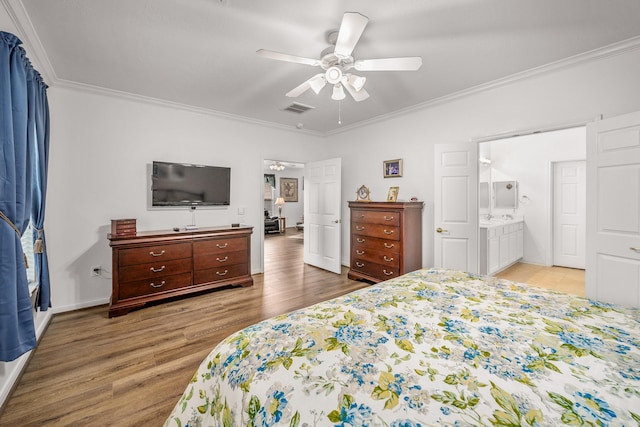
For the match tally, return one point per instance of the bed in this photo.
(432, 347)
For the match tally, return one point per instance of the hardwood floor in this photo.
(89, 370)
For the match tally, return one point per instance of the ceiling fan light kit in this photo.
(337, 61)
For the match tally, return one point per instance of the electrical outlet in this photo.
(96, 270)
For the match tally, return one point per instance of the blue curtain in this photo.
(22, 103)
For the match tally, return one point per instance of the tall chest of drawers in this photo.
(156, 265)
(386, 239)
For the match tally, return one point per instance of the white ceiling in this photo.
(201, 53)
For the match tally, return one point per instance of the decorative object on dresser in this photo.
(363, 194)
(156, 265)
(386, 239)
(123, 227)
(392, 196)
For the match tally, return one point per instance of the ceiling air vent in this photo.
(298, 108)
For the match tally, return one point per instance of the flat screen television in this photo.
(183, 184)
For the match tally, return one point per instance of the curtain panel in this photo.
(24, 124)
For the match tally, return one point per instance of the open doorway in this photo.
(547, 174)
(283, 203)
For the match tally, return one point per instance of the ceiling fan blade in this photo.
(357, 95)
(302, 88)
(410, 63)
(287, 58)
(351, 28)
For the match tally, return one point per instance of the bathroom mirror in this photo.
(505, 194)
(484, 198)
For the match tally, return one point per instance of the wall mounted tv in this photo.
(182, 184)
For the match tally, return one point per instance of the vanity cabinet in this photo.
(386, 239)
(501, 245)
(156, 265)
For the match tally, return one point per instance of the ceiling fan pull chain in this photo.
(339, 112)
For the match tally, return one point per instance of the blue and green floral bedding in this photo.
(428, 348)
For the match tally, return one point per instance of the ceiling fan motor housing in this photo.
(333, 75)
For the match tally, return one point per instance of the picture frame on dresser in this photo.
(392, 196)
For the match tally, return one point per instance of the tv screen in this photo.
(181, 184)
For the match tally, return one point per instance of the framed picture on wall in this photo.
(392, 168)
(289, 189)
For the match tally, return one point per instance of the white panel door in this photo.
(613, 210)
(322, 229)
(456, 206)
(569, 213)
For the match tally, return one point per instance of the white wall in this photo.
(528, 160)
(101, 147)
(578, 93)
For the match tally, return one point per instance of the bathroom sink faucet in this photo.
(507, 216)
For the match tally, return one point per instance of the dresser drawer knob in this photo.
(389, 245)
(223, 245)
(153, 285)
(388, 259)
(222, 259)
(359, 264)
(360, 252)
(157, 270)
(359, 228)
(387, 273)
(222, 273)
(360, 240)
(388, 218)
(388, 231)
(155, 254)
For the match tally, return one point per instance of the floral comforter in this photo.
(428, 348)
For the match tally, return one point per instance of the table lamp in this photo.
(280, 202)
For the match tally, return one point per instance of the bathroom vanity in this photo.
(501, 243)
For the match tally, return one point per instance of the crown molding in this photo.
(97, 90)
(30, 41)
(613, 49)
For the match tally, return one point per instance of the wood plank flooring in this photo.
(569, 280)
(89, 370)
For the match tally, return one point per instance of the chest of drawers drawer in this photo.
(151, 286)
(372, 269)
(154, 270)
(379, 257)
(217, 246)
(374, 217)
(382, 231)
(220, 273)
(156, 253)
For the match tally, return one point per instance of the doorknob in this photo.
(337, 221)
(440, 230)
(635, 249)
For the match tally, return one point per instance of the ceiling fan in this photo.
(337, 62)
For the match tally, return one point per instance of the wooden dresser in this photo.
(155, 265)
(386, 239)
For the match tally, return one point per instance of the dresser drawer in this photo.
(204, 261)
(159, 253)
(389, 232)
(216, 246)
(154, 270)
(375, 217)
(375, 244)
(151, 286)
(216, 274)
(385, 258)
(381, 272)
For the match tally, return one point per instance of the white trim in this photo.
(19, 16)
(85, 304)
